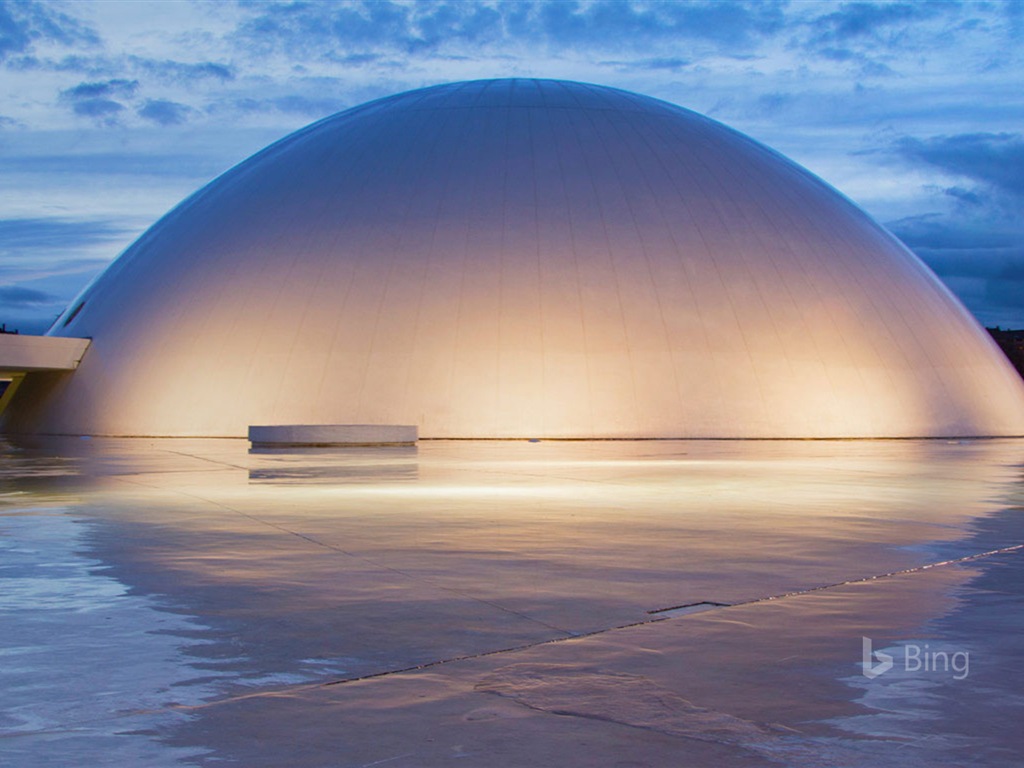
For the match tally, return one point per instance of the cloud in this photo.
(170, 164)
(878, 39)
(300, 29)
(670, 63)
(980, 259)
(861, 21)
(103, 109)
(179, 72)
(993, 159)
(97, 99)
(165, 112)
(26, 236)
(23, 23)
(43, 265)
(636, 25)
(978, 246)
(17, 296)
(117, 87)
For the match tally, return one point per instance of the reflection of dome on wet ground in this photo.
(521, 258)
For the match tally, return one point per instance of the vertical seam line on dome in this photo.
(653, 283)
(531, 133)
(576, 269)
(325, 206)
(837, 271)
(685, 162)
(356, 266)
(585, 115)
(465, 264)
(825, 270)
(755, 178)
(431, 253)
(393, 259)
(679, 257)
(768, 254)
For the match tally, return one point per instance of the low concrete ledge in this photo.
(331, 435)
(23, 353)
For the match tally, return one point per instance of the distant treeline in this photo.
(1012, 344)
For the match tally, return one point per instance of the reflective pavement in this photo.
(620, 603)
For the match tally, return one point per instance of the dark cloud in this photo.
(103, 109)
(980, 259)
(935, 235)
(978, 248)
(871, 36)
(165, 112)
(872, 21)
(17, 296)
(966, 196)
(97, 100)
(993, 159)
(25, 22)
(84, 91)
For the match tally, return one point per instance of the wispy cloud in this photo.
(302, 105)
(37, 276)
(24, 236)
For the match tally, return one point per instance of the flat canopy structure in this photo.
(21, 354)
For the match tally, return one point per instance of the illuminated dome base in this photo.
(522, 258)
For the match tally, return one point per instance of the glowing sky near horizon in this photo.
(112, 112)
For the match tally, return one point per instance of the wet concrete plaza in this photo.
(620, 603)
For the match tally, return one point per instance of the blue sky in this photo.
(112, 112)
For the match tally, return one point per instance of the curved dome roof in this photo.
(524, 258)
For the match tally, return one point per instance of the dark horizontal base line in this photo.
(837, 438)
(271, 446)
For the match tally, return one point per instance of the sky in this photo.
(112, 112)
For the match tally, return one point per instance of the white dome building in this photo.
(523, 258)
